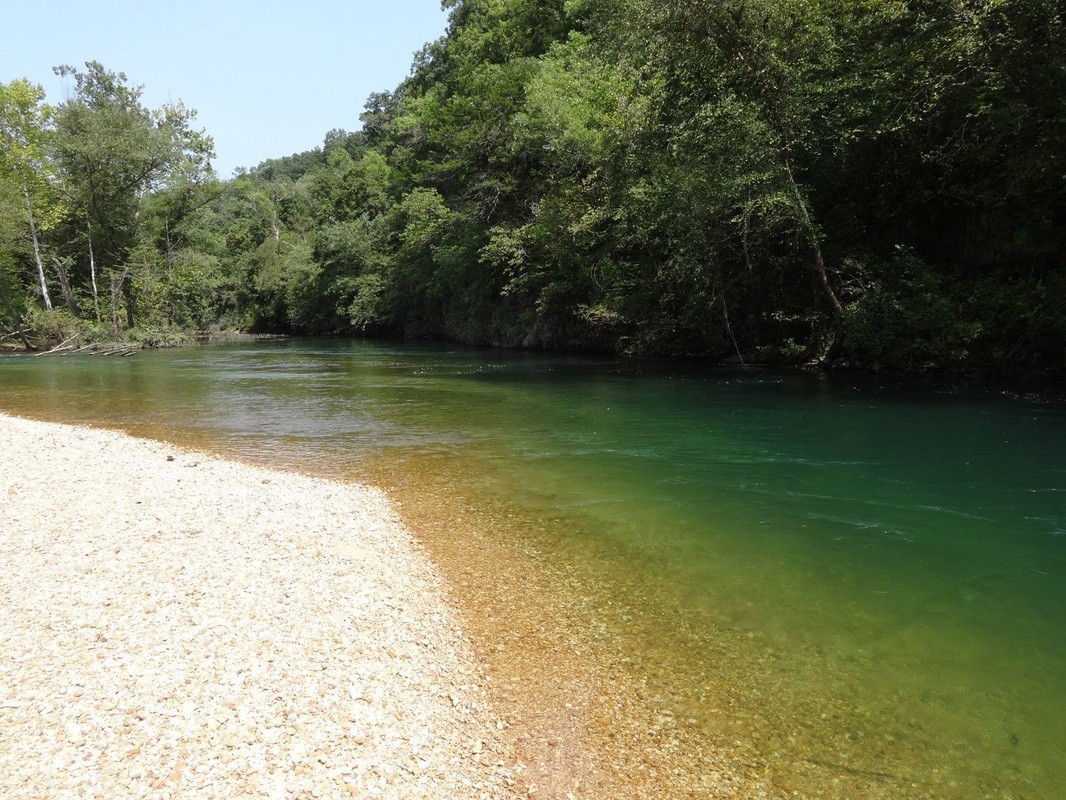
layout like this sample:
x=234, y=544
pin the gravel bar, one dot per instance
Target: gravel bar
x=173, y=625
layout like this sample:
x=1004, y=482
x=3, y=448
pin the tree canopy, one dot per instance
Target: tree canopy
x=878, y=183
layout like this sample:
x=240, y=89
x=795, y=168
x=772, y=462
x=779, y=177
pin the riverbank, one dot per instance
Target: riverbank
x=177, y=625
x=183, y=625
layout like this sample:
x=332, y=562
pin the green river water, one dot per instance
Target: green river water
x=888, y=563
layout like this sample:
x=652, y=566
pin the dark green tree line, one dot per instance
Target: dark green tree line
x=876, y=182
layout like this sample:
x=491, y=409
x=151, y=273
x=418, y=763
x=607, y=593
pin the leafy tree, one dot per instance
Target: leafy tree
x=24, y=126
x=112, y=152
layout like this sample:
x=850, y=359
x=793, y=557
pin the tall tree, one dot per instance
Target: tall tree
x=112, y=151
x=24, y=127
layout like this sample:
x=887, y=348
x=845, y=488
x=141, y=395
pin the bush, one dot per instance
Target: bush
x=906, y=318
x=1022, y=324
x=50, y=328
x=159, y=337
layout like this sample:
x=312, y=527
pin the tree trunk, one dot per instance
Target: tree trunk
x=116, y=293
x=170, y=249
x=828, y=337
x=64, y=284
x=131, y=301
x=812, y=233
x=275, y=228
x=36, y=248
x=92, y=272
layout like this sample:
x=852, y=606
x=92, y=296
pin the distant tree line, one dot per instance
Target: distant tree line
x=879, y=183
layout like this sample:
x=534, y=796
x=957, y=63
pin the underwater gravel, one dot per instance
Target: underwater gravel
x=176, y=625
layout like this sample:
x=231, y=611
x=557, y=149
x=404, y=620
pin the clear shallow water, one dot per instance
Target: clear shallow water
x=888, y=564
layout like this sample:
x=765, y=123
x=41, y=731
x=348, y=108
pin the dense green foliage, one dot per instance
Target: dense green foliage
x=874, y=182
x=108, y=189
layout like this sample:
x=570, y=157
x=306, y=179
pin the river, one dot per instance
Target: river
x=855, y=585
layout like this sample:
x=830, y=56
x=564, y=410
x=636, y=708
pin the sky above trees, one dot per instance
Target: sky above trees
x=267, y=78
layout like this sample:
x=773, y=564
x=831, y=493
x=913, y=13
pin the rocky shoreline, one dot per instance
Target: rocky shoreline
x=177, y=625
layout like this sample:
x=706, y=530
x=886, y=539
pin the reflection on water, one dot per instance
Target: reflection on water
x=876, y=574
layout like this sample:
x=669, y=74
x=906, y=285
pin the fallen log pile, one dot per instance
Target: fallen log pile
x=93, y=348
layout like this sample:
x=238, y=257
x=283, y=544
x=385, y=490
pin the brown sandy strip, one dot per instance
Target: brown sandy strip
x=198, y=628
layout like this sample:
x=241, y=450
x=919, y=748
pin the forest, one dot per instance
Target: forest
x=866, y=184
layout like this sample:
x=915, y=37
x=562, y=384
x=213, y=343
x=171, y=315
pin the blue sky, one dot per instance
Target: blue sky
x=267, y=78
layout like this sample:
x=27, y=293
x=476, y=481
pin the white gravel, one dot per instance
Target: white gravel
x=196, y=628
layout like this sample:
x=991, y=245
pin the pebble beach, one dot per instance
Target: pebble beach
x=177, y=625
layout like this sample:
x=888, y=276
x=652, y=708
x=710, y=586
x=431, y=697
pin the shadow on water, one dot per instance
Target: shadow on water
x=832, y=587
